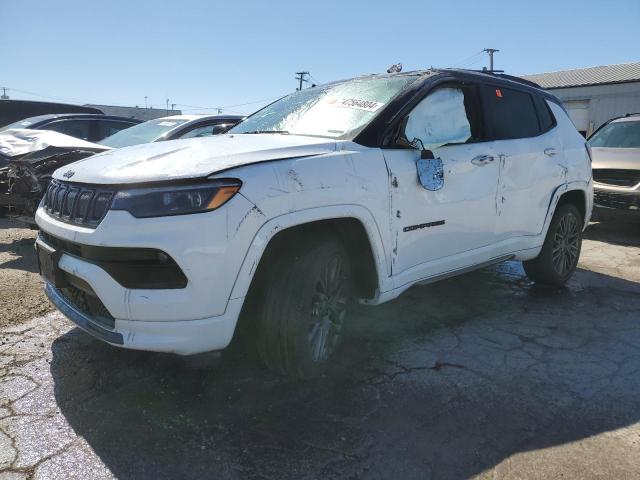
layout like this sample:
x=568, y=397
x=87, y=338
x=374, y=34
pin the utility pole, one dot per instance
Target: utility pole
x=491, y=51
x=300, y=77
x=219, y=111
x=145, y=102
x=4, y=94
x=167, y=100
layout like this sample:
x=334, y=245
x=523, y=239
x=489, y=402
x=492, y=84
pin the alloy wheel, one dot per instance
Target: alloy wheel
x=566, y=244
x=329, y=305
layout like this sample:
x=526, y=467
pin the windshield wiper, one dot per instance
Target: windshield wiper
x=269, y=131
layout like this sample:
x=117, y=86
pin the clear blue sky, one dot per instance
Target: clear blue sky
x=227, y=53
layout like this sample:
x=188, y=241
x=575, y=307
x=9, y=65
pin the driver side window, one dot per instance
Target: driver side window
x=445, y=116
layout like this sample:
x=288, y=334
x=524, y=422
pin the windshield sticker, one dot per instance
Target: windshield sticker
x=166, y=124
x=355, y=103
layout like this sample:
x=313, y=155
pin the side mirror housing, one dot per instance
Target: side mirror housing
x=426, y=154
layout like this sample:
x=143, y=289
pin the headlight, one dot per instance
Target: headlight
x=176, y=199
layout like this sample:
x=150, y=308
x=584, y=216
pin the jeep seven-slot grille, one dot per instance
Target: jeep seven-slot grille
x=618, y=177
x=77, y=204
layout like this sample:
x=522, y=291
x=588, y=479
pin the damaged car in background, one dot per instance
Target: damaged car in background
x=27, y=160
x=28, y=157
x=354, y=190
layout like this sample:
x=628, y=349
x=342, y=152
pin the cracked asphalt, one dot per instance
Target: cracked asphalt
x=483, y=375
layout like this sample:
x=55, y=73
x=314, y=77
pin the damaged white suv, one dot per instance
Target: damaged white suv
x=352, y=190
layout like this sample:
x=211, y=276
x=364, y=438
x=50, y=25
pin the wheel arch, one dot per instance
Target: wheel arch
x=572, y=192
x=576, y=197
x=353, y=225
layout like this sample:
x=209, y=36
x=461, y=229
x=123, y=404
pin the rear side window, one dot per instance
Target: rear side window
x=547, y=120
x=509, y=113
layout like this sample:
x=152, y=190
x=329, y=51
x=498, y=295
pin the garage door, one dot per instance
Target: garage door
x=579, y=113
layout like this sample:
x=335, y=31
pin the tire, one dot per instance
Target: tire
x=561, y=249
x=303, y=309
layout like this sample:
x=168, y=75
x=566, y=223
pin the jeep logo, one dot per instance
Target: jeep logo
x=68, y=174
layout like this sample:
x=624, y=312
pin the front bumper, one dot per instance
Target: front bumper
x=200, y=317
x=181, y=337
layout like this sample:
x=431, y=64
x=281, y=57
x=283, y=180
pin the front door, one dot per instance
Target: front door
x=436, y=225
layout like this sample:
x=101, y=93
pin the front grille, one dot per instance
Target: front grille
x=89, y=305
x=619, y=200
x=77, y=204
x=617, y=177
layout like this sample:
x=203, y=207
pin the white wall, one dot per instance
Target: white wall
x=602, y=102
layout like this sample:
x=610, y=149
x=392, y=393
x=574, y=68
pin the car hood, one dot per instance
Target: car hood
x=189, y=158
x=615, y=158
x=19, y=142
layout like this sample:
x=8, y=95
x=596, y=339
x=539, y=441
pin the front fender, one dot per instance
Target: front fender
x=274, y=226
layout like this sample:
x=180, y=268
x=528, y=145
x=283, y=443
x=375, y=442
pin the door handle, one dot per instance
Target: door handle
x=550, y=152
x=482, y=160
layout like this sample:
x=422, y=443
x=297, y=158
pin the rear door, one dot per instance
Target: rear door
x=529, y=150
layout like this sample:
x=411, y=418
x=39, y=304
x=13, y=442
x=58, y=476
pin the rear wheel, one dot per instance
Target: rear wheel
x=561, y=249
x=304, y=308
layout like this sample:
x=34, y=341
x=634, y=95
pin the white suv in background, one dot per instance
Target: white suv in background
x=356, y=189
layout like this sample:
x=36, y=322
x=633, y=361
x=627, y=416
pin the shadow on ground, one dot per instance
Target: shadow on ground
x=444, y=382
x=615, y=232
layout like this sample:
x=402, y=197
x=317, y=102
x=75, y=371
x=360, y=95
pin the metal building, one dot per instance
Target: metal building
x=139, y=113
x=596, y=94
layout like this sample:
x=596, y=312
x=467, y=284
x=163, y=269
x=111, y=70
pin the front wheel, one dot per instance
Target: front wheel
x=561, y=249
x=304, y=308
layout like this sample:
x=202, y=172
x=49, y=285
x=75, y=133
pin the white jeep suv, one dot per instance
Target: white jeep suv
x=353, y=190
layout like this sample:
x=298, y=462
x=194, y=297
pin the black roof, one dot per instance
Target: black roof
x=40, y=119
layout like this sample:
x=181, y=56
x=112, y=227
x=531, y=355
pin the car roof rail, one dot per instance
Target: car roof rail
x=501, y=74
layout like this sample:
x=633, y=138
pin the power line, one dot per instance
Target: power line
x=226, y=107
x=26, y=92
x=470, y=60
x=148, y=105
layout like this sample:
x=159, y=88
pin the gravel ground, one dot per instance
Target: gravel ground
x=480, y=376
x=21, y=296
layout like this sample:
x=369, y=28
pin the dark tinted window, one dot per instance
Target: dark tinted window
x=75, y=128
x=510, y=113
x=547, y=121
x=109, y=127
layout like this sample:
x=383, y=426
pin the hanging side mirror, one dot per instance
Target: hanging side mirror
x=430, y=171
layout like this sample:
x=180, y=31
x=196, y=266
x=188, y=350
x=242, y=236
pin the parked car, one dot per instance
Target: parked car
x=27, y=160
x=15, y=110
x=86, y=126
x=615, y=149
x=356, y=189
x=172, y=128
x=30, y=156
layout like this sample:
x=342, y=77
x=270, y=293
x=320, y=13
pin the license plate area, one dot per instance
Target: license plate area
x=48, y=259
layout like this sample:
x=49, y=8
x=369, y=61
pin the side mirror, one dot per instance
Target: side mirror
x=430, y=171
